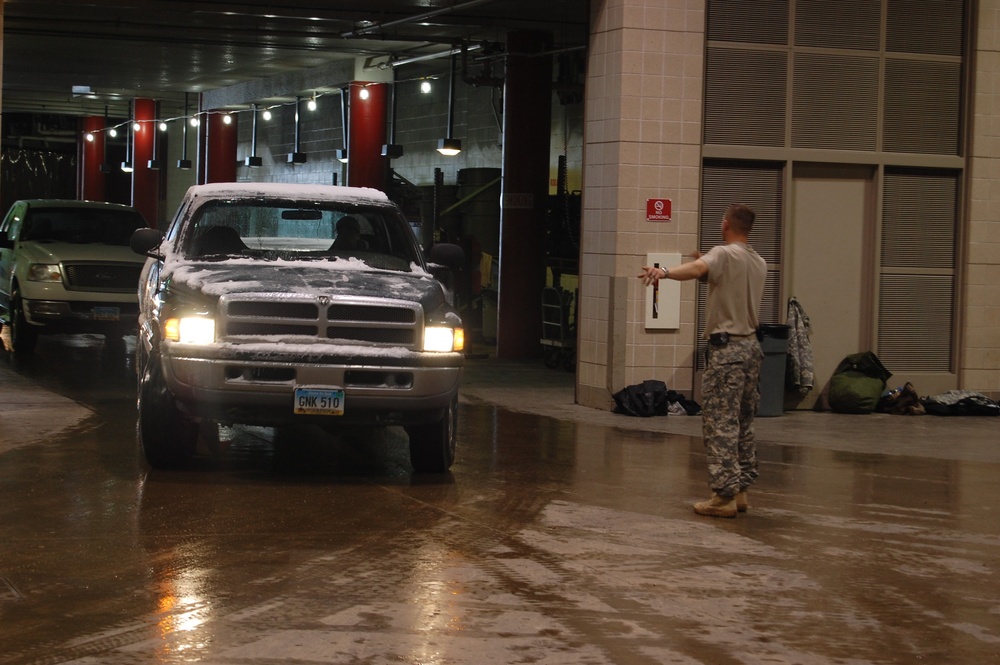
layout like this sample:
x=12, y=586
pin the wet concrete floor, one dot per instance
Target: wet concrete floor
x=551, y=541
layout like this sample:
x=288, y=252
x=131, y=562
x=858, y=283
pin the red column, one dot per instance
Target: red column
x=366, y=135
x=145, y=182
x=220, y=147
x=527, y=118
x=90, y=181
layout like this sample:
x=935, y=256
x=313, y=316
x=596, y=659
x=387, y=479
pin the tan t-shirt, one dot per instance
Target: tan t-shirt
x=736, y=276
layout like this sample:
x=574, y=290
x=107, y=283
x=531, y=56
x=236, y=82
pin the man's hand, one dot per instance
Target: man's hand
x=651, y=275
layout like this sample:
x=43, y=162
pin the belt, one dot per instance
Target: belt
x=722, y=338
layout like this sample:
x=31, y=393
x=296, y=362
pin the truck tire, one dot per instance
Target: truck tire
x=168, y=437
x=23, y=336
x=432, y=446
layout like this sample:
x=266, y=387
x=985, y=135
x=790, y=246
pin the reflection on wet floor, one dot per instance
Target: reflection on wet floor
x=550, y=542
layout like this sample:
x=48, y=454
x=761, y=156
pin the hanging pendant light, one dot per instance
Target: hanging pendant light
x=253, y=161
x=184, y=163
x=296, y=156
x=449, y=146
x=127, y=164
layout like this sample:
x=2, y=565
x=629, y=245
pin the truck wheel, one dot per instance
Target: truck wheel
x=23, y=336
x=168, y=436
x=432, y=446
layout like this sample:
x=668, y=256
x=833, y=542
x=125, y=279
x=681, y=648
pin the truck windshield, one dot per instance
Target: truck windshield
x=267, y=230
x=81, y=225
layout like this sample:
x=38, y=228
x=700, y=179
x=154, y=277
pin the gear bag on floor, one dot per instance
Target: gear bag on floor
x=858, y=383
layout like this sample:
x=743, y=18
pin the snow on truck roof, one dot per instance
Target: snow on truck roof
x=289, y=191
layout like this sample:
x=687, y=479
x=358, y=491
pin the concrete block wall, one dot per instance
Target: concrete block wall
x=980, y=360
x=320, y=135
x=642, y=140
x=421, y=119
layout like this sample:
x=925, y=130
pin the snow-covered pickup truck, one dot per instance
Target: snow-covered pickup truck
x=268, y=304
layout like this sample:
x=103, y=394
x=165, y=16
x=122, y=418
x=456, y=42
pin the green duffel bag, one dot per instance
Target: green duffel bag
x=858, y=383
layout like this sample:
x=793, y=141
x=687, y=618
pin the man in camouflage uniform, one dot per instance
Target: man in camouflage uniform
x=735, y=274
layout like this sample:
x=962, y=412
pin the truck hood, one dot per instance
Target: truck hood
x=56, y=252
x=342, y=278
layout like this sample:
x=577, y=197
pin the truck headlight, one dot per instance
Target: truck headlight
x=44, y=272
x=443, y=339
x=190, y=330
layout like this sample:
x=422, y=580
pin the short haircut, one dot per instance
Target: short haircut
x=741, y=216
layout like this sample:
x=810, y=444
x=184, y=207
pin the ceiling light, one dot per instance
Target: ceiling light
x=184, y=164
x=296, y=156
x=112, y=132
x=267, y=114
x=449, y=147
x=136, y=127
x=194, y=121
x=311, y=104
x=163, y=126
x=363, y=93
x=227, y=119
x=89, y=136
x=425, y=87
x=253, y=161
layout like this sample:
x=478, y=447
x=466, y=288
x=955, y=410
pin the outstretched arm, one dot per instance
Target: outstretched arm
x=691, y=270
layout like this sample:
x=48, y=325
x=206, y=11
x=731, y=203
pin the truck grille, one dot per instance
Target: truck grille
x=366, y=323
x=103, y=277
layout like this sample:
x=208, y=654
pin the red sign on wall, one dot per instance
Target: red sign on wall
x=658, y=210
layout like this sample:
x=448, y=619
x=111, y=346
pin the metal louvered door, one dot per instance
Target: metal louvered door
x=916, y=281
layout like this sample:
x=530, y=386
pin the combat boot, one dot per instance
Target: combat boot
x=717, y=506
x=742, y=503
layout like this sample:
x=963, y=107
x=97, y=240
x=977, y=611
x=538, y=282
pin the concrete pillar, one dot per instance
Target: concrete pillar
x=527, y=121
x=366, y=135
x=91, y=183
x=221, y=139
x=145, y=181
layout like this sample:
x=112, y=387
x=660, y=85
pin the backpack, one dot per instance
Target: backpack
x=645, y=399
x=858, y=383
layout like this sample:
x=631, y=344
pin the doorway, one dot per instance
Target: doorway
x=830, y=262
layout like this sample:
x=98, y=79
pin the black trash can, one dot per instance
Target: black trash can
x=774, y=344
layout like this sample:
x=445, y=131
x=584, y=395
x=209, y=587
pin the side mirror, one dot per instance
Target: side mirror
x=144, y=241
x=448, y=255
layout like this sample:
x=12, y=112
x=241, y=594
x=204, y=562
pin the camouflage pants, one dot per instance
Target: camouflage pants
x=730, y=396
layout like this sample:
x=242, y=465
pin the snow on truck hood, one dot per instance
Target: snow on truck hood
x=347, y=277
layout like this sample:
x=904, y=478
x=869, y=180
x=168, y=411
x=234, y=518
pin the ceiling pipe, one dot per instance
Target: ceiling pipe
x=379, y=27
x=429, y=56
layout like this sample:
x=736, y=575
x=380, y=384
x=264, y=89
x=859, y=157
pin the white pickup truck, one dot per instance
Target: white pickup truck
x=66, y=267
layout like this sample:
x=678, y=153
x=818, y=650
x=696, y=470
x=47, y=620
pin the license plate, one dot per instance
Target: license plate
x=319, y=401
x=105, y=313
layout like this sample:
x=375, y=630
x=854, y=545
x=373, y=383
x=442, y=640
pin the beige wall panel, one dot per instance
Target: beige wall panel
x=828, y=265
